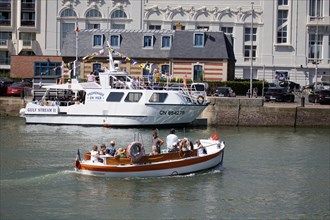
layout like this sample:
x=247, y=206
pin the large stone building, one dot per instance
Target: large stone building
x=290, y=38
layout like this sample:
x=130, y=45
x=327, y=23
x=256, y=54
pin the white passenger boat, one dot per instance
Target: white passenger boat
x=102, y=104
x=165, y=164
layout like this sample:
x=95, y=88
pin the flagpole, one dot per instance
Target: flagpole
x=75, y=62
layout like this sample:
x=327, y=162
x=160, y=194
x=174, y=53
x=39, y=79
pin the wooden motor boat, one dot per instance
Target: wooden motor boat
x=164, y=164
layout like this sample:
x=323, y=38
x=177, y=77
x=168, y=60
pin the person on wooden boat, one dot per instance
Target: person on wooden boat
x=174, y=148
x=95, y=156
x=184, y=144
x=156, y=140
x=102, y=151
x=154, y=150
x=171, y=139
x=107, y=153
x=200, y=147
x=112, y=148
x=120, y=153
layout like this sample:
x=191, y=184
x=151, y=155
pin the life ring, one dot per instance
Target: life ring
x=200, y=99
x=135, y=151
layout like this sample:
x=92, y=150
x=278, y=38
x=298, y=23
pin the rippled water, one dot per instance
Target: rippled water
x=268, y=173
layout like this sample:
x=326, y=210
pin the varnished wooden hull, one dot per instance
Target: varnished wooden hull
x=160, y=165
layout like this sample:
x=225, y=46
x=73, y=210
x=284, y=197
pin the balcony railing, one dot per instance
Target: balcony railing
x=321, y=21
x=5, y=61
x=5, y=22
x=3, y=43
x=5, y=6
x=28, y=22
x=27, y=6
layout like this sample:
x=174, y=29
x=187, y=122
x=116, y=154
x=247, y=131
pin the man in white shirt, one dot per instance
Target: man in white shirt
x=94, y=154
x=171, y=139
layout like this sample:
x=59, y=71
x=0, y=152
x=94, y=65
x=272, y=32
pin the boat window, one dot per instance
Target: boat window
x=133, y=97
x=115, y=96
x=158, y=97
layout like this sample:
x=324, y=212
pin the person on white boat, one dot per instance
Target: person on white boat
x=91, y=77
x=171, y=139
x=201, y=148
x=184, y=144
x=135, y=82
x=112, y=148
x=157, y=141
x=95, y=156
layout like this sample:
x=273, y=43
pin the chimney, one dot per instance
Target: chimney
x=178, y=26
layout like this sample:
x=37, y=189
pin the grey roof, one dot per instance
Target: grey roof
x=216, y=44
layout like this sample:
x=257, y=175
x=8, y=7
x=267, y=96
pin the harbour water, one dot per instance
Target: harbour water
x=268, y=173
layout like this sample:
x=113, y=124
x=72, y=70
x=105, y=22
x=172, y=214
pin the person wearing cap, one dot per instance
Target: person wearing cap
x=112, y=148
x=171, y=140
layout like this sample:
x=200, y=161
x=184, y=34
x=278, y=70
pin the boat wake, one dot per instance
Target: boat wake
x=36, y=180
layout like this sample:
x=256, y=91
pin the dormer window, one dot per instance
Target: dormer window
x=166, y=42
x=148, y=41
x=199, y=40
x=115, y=40
x=97, y=40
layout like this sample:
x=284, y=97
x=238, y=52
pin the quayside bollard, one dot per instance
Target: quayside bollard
x=302, y=101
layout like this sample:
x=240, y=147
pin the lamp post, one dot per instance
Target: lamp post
x=316, y=48
x=251, y=50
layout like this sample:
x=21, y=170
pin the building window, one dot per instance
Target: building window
x=282, y=26
x=199, y=27
x=93, y=14
x=154, y=27
x=115, y=40
x=199, y=40
x=4, y=37
x=27, y=18
x=4, y=58
x=93, y=26
x=198, y=72
x=118, y=26
x=247, y=52
x=47, y=68
x=316, y=8
x=166, y=41
x=247, y=34
x=118, y=14
x=315, y=46
x=66, y=28
x=165, y=69
x=282, y=2
x=27, y=4
x=5, y=18
x=97, y=40
x=96, y=67
x=68, y=13
x=227, y=30
x=148, y=41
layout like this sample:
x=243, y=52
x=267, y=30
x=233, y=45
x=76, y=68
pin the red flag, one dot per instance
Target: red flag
x=76, y=28
x=214, y=137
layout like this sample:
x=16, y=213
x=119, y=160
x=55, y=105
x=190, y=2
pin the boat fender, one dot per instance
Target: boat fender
x=200, y=99
x=135, y=151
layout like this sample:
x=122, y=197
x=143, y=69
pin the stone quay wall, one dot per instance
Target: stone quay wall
x=254, y=112
x=232, y=112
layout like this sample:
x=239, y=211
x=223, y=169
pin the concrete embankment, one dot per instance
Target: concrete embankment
x=254, y=112
x=233, y=112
